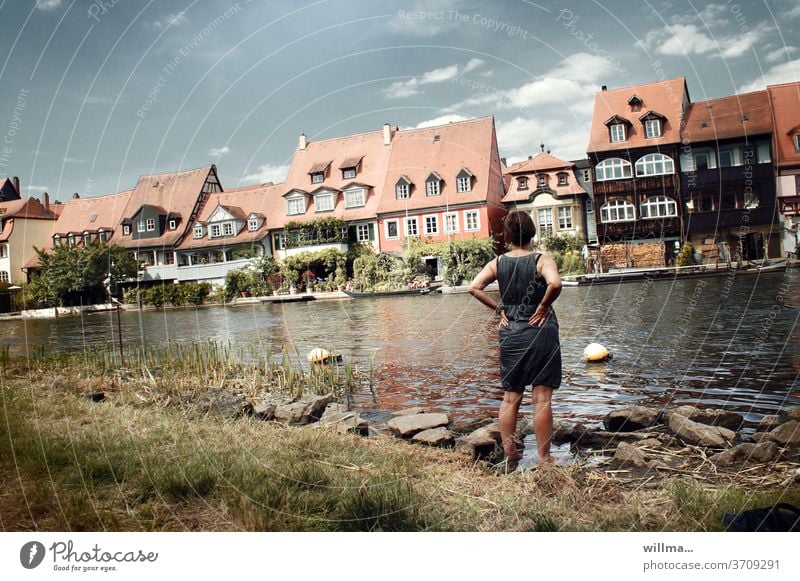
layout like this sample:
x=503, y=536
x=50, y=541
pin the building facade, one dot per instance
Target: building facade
x=25, y=224
x=785, y=109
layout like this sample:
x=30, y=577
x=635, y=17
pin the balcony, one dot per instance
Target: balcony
x=281, y=254
x=160, y=272
x=733, y=218
x=761, y=178
x=789, y=205
x=667, y=184
x=212, y=271
x=637, y=229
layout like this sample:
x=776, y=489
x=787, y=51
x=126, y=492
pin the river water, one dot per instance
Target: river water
x=726, y=342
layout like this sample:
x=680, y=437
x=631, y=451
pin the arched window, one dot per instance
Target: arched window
x=613, y=169
x=659, y=207
x=522, y=183
x=617, y=211
x=655, y=164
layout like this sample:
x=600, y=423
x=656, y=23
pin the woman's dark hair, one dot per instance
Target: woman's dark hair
x=519, y=228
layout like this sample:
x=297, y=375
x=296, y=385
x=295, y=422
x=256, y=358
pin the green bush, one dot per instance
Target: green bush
x=686, y=255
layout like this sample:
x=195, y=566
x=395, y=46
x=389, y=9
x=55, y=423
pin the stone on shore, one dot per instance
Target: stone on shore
x=484, y=443
x=585, y=437
x=629, y=455
x=762, y=452
x=768, y=423
x=700, y=434
x=408, y=426
x=631, y=418
x=723, y=418
x=345, y=421
x=408, y=412
x=793, y=413
x=441, y=437
x=787, y=434
x=225, y=404
x=304, y=411
x=264, y=410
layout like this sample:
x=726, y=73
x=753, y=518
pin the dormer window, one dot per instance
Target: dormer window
x=214, y=231
x=349, y=173
x=173, y=223
x=349, y=167
x=522, y=183
x=253, y=223
x=296, y=205
x=126, y=229
x=355, y=198
x=317, y=177
x=635, y=103
x=464, y=181
x=617, y=132
x=227, y=228
x=433, y=185
x=652, y=128
x=317, y=172
x=541, y=181
x=562, y=179
x=102, y=236
x=402, y=189
x=323, y=202
x=56, y=240
x=71, y=240
x=198, y=231
x=87, y=238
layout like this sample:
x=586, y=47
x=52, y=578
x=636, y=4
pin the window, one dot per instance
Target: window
x=562, y=179
x=362, y=233
x=726, y=158
x=252, y=224
x=126, y=229
x=522, y=183
x=654, y=164
x=750, y=201
x=545, y=220
x=279, y=241
x=323, y=202
x=472, y=220
x=198, y=231
x=71, y=240
x=348, y=173
x=587, y=175
x=433, y=188
x=565, y=218
x=659, y=207
x=700, y=203
x=227, y=228
x=86, y=238
x=392, y=231
x=4, y=276
x=102, y=236
x=617, y=211
x=401, y=191
x=617, y=132
x=464, y=184
x=295, y=206
x=431, y=225
x=589, y=206
x=796, y=140
x=652, y=128
x=3, y=251
x=169, y=257
x=140, y=226
x=151, y=224
x=173, y=223
x=354, y=198
x=612, y=169
x=451, y=222
x=797, y=183
x=317, y=177
x=214, y=233
x=542, y=181
x=701, y=161
x=412, y=227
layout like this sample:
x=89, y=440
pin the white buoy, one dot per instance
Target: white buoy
x=596, y=352
x=318, y=355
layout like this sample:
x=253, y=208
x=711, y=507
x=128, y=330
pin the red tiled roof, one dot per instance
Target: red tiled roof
x=666, y=98
x=26, y=208
x=546, y=164
x=735, y=116
x=785, y=100
x=76, y=215
x=541, y=162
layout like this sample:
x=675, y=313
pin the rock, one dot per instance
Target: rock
x=586, y=437
x=484, y=443
x=440, y=437
x=407, y=426
x=658, y=465
x=649, y=443
x=724, y=418
x=700, y=434
x=793, y=413
x=468, y=425
x=408, y=412
x=768, y=423
x=763, y=452
x=343, y=420
x=627, y=454
x=787, y=434
x=304, y=411
x=226, y=404
x=631, y=418
x=264, y=411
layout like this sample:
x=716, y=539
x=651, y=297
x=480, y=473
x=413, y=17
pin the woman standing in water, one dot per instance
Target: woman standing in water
x=530, y=351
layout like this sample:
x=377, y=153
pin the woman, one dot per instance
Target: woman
x=530, y=352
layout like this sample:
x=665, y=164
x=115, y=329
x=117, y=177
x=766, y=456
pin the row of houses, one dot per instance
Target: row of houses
x=660, y=171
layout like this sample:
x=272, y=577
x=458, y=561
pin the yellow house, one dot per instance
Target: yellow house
x=23, y=225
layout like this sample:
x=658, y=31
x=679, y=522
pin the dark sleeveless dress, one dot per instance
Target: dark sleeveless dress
x=528, y=355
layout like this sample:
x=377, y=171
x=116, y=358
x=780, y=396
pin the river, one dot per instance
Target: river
x=727, y=342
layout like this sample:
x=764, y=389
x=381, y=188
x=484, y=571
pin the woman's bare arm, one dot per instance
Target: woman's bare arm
x=485, y=277
x=549, y=271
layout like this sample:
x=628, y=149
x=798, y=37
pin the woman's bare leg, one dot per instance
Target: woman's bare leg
x=543, y=421
x=509, y=410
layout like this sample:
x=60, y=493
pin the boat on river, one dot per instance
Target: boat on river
x=675, y=273
x=426, y=290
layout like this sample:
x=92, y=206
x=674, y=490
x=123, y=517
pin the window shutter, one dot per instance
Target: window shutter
x=372, y=232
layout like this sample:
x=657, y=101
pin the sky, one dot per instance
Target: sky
x=99, y=92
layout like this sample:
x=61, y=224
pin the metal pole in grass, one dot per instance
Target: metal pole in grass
x=119, y=330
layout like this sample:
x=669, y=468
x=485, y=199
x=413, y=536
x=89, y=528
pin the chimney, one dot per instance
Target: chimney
x=46, y=201
x=503, y=161
x=76, y=196
x=387, y=134
x=16, y=186
x=604, y=88
x=303, y=142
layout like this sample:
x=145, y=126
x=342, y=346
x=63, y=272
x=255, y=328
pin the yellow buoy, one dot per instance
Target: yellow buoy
x=318, y=355
x=596, y=352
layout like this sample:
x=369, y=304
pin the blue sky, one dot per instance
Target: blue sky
x=98, y=92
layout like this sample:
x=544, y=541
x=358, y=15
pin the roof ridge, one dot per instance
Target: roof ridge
x=147, y=175
x=679, y=77
x=737, y=96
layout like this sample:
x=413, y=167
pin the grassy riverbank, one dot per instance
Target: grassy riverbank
x=140, y=462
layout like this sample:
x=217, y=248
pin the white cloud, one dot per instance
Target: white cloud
x=267, y=173
x=520, y=137
x=443, y=120
x=408, y=88
x=782, y=73
x=689, y=39
x=217, y=151
x=171, y=20
x=35, y=189
x=48, y=5
x=472, y=65
x=711, y=15
x=780, y=54
x=793, y=13
x=424, y=18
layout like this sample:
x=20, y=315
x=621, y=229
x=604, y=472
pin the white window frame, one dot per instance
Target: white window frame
x=402, y=191
x=318, y=207
x=126, y=229
x=433, y=188
x=616, y=207
x=613, y=168
x=361, y=201
x=140, y=226
x=541, y=181
x=362, y=232
x=451, y=228
x=522, y=183
x=464, y=184
x=656, y=207
x=151, y=224
x=431, y=220
x=253, y=224
x=173, y=223
x=406, y=226
x=299, y=203
x=348, y=173
x=562, y=179
x=87, y=238
x=565, y=221
x=396, y=226
x=544, y=216
x=317, y=177
x=654, y=164
x=227, y=229
x=198, y=231
x=102, y=236
x=652, y=128
x=617, y=132
x=476, y=215
x=3, y=250
x=214, y=231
